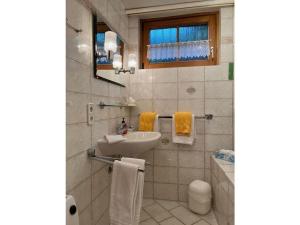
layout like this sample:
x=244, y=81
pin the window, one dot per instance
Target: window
x=181, y=41
x=104, y=62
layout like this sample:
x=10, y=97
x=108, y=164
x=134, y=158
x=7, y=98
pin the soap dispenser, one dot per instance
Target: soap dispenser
x=123, y=128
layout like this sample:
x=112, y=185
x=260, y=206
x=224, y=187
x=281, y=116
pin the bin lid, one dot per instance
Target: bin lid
x=200, y=187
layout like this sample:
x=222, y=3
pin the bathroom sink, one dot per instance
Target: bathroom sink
x=136, y=143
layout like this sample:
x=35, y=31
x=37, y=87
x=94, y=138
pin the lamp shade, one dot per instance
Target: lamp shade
x=117, y=61
x=132, y=61
x=110, y=41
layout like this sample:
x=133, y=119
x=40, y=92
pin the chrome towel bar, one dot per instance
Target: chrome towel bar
x=106, y=159
x=206, y=116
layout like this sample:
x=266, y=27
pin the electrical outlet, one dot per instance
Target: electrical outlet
x=90, y=113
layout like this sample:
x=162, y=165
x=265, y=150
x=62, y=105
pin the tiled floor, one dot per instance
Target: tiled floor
x=162, y=212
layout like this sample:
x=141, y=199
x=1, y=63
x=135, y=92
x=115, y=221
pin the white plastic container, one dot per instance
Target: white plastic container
x=199, y=200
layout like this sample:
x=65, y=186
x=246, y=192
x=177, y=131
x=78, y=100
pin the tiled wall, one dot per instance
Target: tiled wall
x=88, y=181
x=223, y=191
x=202, y=90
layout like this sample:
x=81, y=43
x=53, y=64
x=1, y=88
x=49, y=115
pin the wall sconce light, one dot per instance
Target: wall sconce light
x=110, y=41
x=131, y=65
x=117, y=62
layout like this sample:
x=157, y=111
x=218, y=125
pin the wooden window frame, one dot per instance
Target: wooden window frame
x=212, y=19
x=102, y=27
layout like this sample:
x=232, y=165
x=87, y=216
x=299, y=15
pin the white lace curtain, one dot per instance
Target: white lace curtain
x=168, y=52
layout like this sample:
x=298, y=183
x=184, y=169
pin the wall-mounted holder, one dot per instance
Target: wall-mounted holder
x=122, y=70
x=102, y=105
x=106, y=159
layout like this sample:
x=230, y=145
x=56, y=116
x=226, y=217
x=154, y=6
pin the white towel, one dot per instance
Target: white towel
x=156, y=124
x=126, y=192
x=180, y=139
x=114, y=138
x=140, y=187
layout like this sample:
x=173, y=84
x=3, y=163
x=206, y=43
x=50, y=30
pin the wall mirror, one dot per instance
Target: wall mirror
x=103, y=60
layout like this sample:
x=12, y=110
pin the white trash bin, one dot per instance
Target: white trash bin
x=199, y=200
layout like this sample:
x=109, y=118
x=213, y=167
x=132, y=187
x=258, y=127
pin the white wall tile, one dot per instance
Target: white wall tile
x=227, y=12
x=148, y=190
x=187, y=175
x=101, y=180
x=195, y=73
x=99, y=128
x=165, y=91
x=183, y=193
x=191, y=159
x=217, y=72
x=78, y=138
x=78, y=45
x=186, y=92
x=77, y=76
x=165, y=125
x=165, y=158
x=99, y=87
x=142, y=106
x=219, y=125
x=217, y=142
x=227, y=27
x=82, y=194
x=165, y=107
x=76, y=107
x=100, y=204
x=226, y=53
x=219, y=107
x=164, y=75
x=141, y=91
x=165, y=174
x=141, y=76
x=78, y=169
x=101, y=6
x=166, y=191
x=166, y=142
x=218, y=89
x=196, y=106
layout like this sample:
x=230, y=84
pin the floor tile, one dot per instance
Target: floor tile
x=184, y=204
x=201, y=222
x=157, y=212
x=147, y=201
x=184, y=215
x=168, y=205
x=144, y=215
x=210, y=218
x=149, y=222
x=171, y=221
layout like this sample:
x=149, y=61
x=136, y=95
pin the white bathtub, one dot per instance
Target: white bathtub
x=222, y=178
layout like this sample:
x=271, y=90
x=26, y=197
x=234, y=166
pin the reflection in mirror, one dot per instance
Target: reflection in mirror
x=103, y=60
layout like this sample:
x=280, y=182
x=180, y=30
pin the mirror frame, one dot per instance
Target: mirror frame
x=94, y=28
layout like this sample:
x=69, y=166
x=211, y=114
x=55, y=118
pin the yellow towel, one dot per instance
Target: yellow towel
x=183, y=123
x=147, y=121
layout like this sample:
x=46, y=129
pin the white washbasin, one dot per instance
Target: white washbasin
x=136, y=143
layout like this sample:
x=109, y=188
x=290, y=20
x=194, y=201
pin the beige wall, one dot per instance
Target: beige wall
x=86, y=180
x=165, y=92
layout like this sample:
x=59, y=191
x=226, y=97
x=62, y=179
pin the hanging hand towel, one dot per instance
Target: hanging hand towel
x=146, y=121
x=123, y=193
x=180, y=138
x=140, y=187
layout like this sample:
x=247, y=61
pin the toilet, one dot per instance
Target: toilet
x=199, y=197
x=71, y=211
